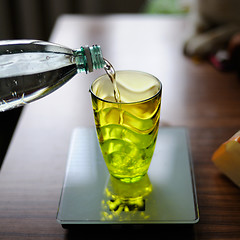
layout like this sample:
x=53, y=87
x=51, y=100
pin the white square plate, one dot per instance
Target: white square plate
x=172, y=199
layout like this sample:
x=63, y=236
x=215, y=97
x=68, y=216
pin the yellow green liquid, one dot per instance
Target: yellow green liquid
x=127, y=130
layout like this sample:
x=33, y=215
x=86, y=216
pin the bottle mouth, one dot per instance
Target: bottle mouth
x=88, y=58
x=96, y=58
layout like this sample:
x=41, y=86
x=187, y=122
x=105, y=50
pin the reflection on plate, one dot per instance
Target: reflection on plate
x=165, y=195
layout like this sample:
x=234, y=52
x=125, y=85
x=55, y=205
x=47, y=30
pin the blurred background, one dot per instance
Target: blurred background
x=35, y=19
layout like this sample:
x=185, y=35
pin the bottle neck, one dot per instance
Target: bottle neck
x=88, y=59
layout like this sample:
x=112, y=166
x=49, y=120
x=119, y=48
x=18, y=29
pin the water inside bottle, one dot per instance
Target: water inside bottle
x=26, y=77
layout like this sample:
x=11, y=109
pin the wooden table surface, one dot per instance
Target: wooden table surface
x=195, y=96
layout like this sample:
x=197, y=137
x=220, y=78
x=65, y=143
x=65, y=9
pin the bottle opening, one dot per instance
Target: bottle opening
x=96, y=57
x=88, y=58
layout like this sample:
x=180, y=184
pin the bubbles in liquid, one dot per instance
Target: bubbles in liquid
x=112, y=75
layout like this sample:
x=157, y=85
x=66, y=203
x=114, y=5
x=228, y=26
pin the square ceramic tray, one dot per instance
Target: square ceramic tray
x=85, y=197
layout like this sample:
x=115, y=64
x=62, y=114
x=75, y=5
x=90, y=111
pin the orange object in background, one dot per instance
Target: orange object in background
x=227, y=158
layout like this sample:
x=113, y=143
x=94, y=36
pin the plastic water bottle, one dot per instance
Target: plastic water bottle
x=32, y=69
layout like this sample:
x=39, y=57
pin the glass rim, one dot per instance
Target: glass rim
x=140, y=101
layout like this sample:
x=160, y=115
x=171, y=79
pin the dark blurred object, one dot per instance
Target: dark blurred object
x=210, y=26
x=221, y=61
x=35, y=19
x=236, y=60
x=234, y=52
x=228, y=59
x=8, y=122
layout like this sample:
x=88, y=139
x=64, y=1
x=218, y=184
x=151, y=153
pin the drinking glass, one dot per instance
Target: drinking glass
x=127, y=130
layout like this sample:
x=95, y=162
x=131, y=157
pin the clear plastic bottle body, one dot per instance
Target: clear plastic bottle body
x=32, y=69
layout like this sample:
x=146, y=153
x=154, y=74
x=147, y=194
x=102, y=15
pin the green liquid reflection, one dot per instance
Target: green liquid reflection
x=125, y=201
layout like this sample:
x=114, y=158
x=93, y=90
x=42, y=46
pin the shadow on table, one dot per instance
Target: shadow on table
x=169, y=231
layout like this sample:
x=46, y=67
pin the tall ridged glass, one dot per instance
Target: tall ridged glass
x=127, y=131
